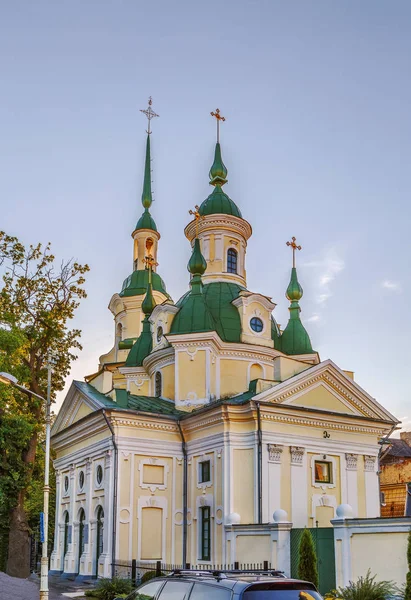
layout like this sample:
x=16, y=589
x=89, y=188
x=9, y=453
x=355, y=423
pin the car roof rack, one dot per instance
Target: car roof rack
x=223, y=573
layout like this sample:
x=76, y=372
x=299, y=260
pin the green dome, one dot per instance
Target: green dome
x=219, y=203
x=149, y=303
x=146, y=221
x=295, y=339
x=294, y=290
x=197, y=263
x=142, y=348
x=136, y=284
x=218, y=171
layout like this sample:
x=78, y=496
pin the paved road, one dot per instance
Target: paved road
x=12, y=588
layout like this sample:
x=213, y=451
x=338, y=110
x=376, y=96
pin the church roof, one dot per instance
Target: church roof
x=146, y=221
x=136, y=284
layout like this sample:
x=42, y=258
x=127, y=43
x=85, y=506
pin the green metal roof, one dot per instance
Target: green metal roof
x=295, y=339
x=218, y=171
x=88, y=390
x=152, y=404
x=219, y=203
x=146, y=221
x=136, y=284
x=143, y=346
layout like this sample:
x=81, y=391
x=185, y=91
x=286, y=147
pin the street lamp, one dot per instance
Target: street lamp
x=11, y=380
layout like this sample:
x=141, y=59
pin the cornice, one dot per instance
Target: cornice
x=158, y=358
x=219, y=222
x=140, y=424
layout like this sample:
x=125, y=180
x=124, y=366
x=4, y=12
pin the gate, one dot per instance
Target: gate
x=323, y=538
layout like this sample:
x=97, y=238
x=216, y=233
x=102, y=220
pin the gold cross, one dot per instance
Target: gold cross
x=294, y=247
x=196, y=215
x=219, y=118
x=150, y=114
x=150, y=263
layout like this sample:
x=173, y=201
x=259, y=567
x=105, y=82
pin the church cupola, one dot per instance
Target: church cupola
x=222, y=231
x=295, y=339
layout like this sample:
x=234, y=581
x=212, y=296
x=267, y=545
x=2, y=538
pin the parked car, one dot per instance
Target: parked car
x=219, y=585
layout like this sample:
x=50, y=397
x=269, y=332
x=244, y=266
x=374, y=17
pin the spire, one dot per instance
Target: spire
x=146, y=221
x=295, y=339
x=196, y=266
x=146, y=197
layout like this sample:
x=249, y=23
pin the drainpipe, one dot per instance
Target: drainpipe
x=113, y=543
x=185, y=471
x=259, y=464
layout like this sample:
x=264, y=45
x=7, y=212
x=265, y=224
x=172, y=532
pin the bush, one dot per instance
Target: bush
x=108, y=589
x=149, y=575
x=365, y=588
x=307, y=559
x=407, y=591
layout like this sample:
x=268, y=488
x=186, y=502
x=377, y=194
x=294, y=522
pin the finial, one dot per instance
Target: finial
x=294, y=247
x=150, y=114
x=150, y=262
x=219, y=118
x=196, y=214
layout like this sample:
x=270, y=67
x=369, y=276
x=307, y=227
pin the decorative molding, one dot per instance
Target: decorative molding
x=369, y=462
x=218, y=222
x=274, y=453
x=351, y=461
x=322, y=424
x=297, y=454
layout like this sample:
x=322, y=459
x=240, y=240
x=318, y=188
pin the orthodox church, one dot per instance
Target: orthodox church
x=207, y=431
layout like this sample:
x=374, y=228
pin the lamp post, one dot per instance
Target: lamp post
x=11, y=380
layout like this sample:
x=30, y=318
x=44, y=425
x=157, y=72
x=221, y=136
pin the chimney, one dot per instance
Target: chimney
x=406, y=437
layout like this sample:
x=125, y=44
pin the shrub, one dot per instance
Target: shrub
x=365, y=588
x=407, y=591
x=307, y=559
x=108, y=589
x=149, y=575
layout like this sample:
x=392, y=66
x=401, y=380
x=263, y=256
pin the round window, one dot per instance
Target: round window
x=99, y=474
x=256, y=324
x=81, y=479
x=66, y=483
x=159, y=333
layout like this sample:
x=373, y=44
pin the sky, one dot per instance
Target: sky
x=317, y=142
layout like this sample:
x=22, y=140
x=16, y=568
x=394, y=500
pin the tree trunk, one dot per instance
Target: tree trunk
x=18, y=562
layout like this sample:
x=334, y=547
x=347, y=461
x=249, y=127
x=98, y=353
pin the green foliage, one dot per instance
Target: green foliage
x=108, y=589
x=307, y=559
x=407, y=591
x=37, y=301
x=365, y=588
x=150, y=575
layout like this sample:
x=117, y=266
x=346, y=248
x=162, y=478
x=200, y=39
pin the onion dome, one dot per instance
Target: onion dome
x=136, y=284
x=146, y=221
x=144, y=343
x=218, y=202
x=295, y=339
x=197, y=263
x=148, y=304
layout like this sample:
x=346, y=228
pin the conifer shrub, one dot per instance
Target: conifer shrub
x=307, y=559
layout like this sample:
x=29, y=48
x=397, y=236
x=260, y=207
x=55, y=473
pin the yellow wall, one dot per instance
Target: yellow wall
x=233, y=377
x=168, y=381
x=320, y=397
x=256, y=372
x=286, y=481
x=362, y=508
x=323, y=514
x=151, y=534
x=192, y=375
x=388, y=552
x=243, y=493
x=83, y=411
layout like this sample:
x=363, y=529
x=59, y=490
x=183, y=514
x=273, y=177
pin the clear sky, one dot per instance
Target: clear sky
x=317, y=143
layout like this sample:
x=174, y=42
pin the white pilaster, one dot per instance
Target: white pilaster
x=298, y=486
x=351, y=473
x=56, y=558
x=372, y=499
x=273, y=488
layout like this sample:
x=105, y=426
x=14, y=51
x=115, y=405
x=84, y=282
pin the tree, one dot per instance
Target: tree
x=407, y=592
x=37, y=302
x=307, y=559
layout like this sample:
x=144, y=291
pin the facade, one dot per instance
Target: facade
x=395, y=477
x=206, y=424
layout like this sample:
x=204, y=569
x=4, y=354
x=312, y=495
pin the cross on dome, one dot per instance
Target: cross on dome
x=294, y=248
x=150, y=114
x=219, y=118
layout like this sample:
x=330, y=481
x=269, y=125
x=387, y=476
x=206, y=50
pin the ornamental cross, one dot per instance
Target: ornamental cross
x=294, y=247
x=150, y=262
x=150, y=114
x=219, y=118
x=196, y=215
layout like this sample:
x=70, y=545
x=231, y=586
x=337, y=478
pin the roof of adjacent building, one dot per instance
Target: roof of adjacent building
x=398, y=448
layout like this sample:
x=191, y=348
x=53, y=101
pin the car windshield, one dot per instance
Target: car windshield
x=274, y=591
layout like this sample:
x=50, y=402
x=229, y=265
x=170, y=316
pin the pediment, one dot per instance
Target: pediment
x=81, y=400
x=327, y=388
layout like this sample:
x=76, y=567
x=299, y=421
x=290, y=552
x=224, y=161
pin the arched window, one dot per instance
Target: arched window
x=82, y=532
x=119, y=334
x=158, y=382
x=100, y=531
x=66, y=534
x=232, y=260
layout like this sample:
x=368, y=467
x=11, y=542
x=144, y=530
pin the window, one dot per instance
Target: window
x=99, y=474
x=283, y=591
x=158, y=385
x=82, y=527
x=205, y=550
x=66, y=534
x=100, y=531
x=147, y=592
x=232, y=260
x=206, y=592
x=175, y=590
x=323, y=472
x=204, y=471
x=159, y=333
x=81, y=480
x=66, y=483
x=256, y=324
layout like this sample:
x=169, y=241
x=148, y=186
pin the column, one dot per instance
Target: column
x=352, y=481
x=272, y=489
x=372, y=495
x=56, y=558
x=85, y=568
x=108, y=541
x=70, y=561
x=342, y=546
x=299, y=500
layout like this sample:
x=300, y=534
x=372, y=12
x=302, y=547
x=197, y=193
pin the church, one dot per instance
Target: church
x=207, y=431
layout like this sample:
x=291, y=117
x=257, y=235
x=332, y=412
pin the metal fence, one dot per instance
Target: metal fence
x=135, y=570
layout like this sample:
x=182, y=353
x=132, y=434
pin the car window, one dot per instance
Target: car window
x=175, y=590
x=209, y=592
x=273, y=591
x=146, y=592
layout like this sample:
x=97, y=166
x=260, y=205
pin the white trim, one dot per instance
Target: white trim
x=152, y=502
x=153, y=462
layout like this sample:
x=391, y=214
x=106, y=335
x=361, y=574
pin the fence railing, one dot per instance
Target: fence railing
x=135, y=570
